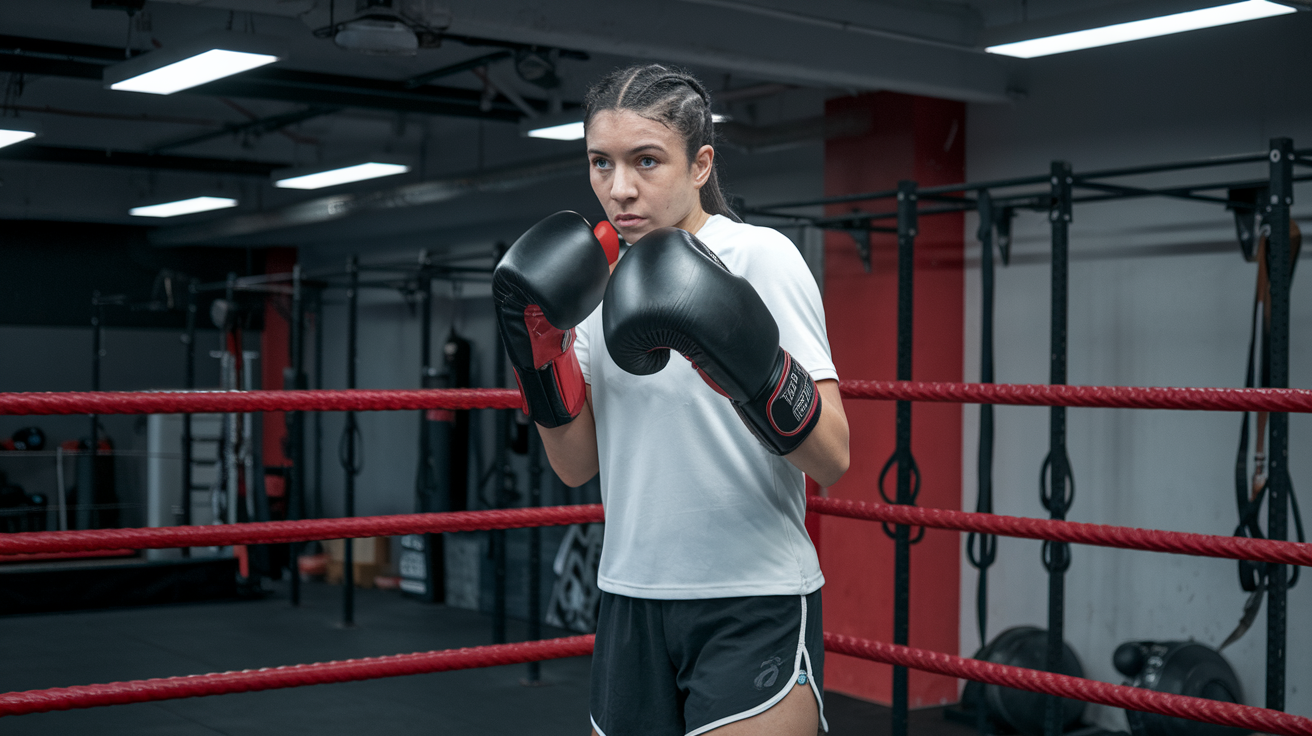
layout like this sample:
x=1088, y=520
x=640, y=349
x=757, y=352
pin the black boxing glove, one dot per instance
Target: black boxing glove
x=549, y=281
x=672, y=293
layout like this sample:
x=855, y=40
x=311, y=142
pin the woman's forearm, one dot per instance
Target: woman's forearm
x=572, y=448
x=824, y=455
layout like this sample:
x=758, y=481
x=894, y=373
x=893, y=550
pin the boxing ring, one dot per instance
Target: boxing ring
x=903, y=516
x=899, y=515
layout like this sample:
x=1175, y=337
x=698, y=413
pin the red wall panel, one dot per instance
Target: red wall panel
x=275, y=355
x=909, y=138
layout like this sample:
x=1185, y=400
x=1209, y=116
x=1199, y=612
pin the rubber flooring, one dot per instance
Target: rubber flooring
x=53, y=650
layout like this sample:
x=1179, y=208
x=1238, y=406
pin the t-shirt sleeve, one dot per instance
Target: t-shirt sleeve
x=582, y=345
x=780, y=275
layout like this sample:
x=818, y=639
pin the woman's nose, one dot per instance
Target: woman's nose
x=623, y=185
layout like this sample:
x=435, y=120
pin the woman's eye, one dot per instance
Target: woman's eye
x=601, y=163
x=646, y=162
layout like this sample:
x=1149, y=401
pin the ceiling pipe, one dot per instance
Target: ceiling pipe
x=339, y=206
x=791, y=16
x=781, y=136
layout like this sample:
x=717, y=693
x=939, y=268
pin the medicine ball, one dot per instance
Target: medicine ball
x=29, y=438
x=1182, y=668
x=1023, y=711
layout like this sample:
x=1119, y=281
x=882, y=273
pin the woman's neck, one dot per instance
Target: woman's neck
x=694, y=220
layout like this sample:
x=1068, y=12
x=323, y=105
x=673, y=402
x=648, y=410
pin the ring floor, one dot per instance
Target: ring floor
x=62, y=649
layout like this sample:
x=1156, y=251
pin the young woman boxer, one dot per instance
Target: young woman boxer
x=710, y=612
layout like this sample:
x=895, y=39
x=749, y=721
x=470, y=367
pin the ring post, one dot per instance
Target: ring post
x=318, y=415
x=348, y=557
x=906, y=242
x=1058, y=558
x=85, y=514
x=981, y=549
x=534, y=549
x=295, y=489
x=1278, y=266
x=502, y=476
x=189, y=383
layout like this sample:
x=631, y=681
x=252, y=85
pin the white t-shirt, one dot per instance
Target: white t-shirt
x=695, y=506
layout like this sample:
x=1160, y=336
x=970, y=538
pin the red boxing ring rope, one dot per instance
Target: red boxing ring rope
x=275, y=532
x=213, y=402
x=1105, y=397
x=305, y=530
x=1075, y=688
x=1102, y=535
x=1230, y=714
x=203, y=402
x=269, y=678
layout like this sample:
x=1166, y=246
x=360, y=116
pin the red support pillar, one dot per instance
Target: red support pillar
x=922, y=139
x=275, y=356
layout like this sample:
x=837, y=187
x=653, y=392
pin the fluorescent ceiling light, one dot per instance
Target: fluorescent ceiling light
x=183, y=207
x=564, y=132
x=343, y=175
x=194, y=71
x=199, y=61
x=1140, y=29
x=573, y=131
x=9, y=137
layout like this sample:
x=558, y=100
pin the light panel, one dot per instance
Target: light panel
x=343, y=175
x=562, y=132
x=573, y=130
x=10, y=137
x=1140, y=29
x=183, y=207
x=194, y=71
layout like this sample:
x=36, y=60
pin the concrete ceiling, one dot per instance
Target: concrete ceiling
x=103, y=152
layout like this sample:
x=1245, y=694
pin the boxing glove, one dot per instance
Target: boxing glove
x=672, y=293
x=550, y=280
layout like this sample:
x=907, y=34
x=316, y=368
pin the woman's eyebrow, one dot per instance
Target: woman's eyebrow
x=632, y=152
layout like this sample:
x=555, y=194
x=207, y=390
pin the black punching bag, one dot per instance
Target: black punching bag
x=1021, y=710
x=1181, y=668
x=456, y=354
x=442, y=481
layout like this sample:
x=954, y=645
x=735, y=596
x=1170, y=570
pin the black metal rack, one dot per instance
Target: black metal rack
x=1055, y=193
x=413, y=279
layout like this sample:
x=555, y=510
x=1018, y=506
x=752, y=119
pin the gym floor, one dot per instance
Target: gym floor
x=53, y=650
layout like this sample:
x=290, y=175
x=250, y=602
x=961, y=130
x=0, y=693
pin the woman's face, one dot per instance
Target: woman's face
x=641, y=175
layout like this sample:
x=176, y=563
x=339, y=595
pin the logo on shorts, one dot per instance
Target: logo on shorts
x=769, y=673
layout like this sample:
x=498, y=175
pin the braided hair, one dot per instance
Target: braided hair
x=670, y=96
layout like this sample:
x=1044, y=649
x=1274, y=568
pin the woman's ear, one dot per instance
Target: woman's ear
x=701, y=166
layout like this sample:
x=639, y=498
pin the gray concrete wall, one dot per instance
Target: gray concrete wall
x=1140, y=315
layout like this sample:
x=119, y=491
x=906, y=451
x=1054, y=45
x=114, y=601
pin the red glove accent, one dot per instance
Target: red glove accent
x=554, y=347
x=610, y=240
x=707, y=379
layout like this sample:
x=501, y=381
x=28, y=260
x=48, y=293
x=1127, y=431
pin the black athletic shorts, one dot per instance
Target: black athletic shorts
x=670, y=668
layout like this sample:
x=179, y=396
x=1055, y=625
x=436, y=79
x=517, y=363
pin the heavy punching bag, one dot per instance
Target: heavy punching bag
x=1022, y=646
x=442, y=482
x=1181, y=668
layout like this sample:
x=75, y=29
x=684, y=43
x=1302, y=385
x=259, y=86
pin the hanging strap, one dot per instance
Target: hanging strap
x=1251, y=491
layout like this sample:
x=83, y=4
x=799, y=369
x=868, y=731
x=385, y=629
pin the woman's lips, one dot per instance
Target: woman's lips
x=628, y=220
